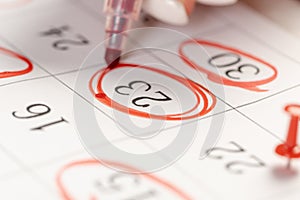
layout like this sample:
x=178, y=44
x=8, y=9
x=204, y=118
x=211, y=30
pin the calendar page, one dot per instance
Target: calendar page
x=207, y=111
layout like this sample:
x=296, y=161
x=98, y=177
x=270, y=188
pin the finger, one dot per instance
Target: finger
x=217, y=2
x=174, y=12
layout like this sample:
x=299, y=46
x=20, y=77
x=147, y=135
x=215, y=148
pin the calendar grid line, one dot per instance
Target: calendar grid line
x=25, y=168
x=226, y=103
x=258, y=124
x=205, y=117
x=91, y=104
x=44, y=164
x=210, y=31
x=251, y=35
x=182, y=171
x=72, y=89
x=56, y=74
x=41, y=165
x=24, y=80
x=266, y=44
x=207, y=188
x=268, y=97
x=230, y=110
x=232, y=132
x=77, y=93
x=185, y=173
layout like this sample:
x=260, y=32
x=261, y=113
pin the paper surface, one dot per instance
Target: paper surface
x=51, y=50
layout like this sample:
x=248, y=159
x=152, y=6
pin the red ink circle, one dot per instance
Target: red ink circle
x=196, y=88
x=8, y=74
x=250, y=85
x=65, y=194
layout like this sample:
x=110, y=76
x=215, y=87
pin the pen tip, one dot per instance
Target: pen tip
x=112, y=57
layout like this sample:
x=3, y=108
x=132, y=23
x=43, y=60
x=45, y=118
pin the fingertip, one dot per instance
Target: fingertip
x=168, y=11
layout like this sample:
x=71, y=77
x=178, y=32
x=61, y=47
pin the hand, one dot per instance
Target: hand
x=177, y=12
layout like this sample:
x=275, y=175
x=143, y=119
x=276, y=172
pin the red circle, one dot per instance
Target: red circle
x=197, y=89
x=250, y=85
x=155, y=179
x=8, y=74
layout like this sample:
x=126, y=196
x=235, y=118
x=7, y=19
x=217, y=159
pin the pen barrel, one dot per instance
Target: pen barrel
x=125, y=8
x=115, y=31
x=120, y=14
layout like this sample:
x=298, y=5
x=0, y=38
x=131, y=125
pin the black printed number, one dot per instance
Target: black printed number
x=64, y=44
x=241, y=69
x=64, y=37
x=125, y=90
x=235, y=166
x=118, y=183
x=112, y=184
x=233, y=59
x=35, y=111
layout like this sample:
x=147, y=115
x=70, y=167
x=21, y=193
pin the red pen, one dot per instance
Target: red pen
x=120, y=14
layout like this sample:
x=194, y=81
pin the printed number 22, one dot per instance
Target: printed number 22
x=235, y=166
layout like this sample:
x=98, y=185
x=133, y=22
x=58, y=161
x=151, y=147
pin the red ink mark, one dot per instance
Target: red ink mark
x=7, y=4
x=290, y=149
x=67, y=196
x=197, y=89
x=8, y=74
x=250, y=85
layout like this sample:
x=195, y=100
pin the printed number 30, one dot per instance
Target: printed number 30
x=233, y=74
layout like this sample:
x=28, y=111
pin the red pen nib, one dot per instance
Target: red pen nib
x=290, y=149
x=112, y=57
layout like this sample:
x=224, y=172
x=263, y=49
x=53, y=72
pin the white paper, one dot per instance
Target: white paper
x=44, y=156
